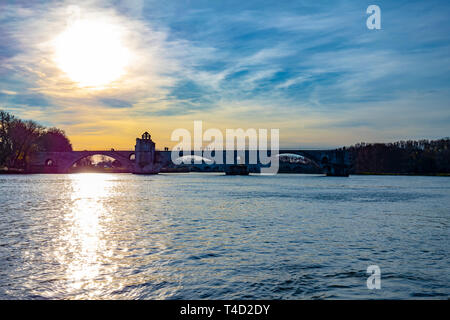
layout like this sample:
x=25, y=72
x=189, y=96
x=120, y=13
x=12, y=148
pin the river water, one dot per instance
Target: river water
x=211, y=236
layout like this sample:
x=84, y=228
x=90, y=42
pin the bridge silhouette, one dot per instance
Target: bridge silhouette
x=145, y=159
x=331, y=162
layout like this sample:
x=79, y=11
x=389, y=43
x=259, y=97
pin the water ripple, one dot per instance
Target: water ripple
x=206, y=236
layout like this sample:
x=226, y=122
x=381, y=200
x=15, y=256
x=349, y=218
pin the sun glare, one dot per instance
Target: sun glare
x=91, y=53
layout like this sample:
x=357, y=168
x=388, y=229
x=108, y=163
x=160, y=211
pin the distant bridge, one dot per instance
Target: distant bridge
x=331, y=162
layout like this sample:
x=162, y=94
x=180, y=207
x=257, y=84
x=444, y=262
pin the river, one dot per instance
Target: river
x=211, y=236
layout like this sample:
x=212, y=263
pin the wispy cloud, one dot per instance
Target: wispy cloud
x=310, y=68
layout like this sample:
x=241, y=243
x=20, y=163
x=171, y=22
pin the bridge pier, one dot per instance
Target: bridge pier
x=338, y=165
x=337, y=171
x=145, y=156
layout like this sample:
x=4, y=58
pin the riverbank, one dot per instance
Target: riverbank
x=402, y=174
x=11, y=171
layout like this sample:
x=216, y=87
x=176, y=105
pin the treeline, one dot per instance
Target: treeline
x=19, y=139
x=403, y=157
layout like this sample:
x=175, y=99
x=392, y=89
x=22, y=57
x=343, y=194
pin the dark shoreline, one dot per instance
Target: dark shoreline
x=21, y=171
x=12, y=171
x=401, y=174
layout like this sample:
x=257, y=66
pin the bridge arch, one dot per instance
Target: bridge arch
x=123, y=157
x=304, y=156
x=190, y=159
x=332, y=162
x=50, y=162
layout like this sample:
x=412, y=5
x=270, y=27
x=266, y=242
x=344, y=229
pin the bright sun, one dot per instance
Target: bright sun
x=91, y=53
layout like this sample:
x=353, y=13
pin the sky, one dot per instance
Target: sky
x=106, y=71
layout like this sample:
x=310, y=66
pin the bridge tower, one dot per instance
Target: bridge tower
x=145, y=155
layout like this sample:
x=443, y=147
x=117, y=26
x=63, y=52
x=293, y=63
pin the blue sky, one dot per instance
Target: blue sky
x=310, y=68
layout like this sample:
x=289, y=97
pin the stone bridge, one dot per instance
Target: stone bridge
x=331, y=162
x=145, y=159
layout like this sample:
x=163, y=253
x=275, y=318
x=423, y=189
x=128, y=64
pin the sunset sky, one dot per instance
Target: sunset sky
x=106, y=71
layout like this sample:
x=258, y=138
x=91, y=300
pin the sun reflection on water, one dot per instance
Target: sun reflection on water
x=104, y=249
x=86, y=223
